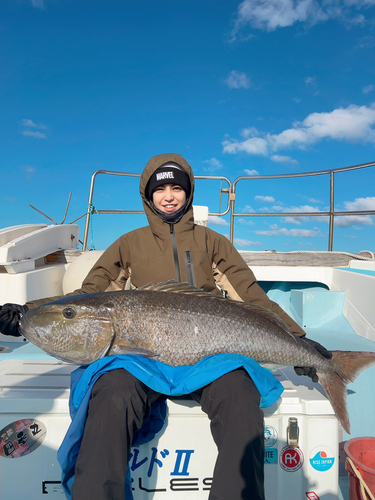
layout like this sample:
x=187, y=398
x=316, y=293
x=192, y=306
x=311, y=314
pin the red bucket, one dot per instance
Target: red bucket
x=362, y=452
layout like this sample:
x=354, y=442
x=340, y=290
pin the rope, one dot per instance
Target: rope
x=92, y=210
x=359, y=256
x=364, y=488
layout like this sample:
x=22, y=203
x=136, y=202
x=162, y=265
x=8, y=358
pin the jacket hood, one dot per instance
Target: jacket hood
x=153, y=164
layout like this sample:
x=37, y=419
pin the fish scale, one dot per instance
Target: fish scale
x=179, y=325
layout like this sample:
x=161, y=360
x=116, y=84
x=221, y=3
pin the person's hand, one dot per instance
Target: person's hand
x=310, y=371
x=10, y=314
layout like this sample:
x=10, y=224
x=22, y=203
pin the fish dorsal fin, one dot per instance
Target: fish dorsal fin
x=267, y=314
x=175, y=287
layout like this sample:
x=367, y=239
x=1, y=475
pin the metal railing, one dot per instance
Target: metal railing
x=230, y=190
x=331, y=213
x=91, y=209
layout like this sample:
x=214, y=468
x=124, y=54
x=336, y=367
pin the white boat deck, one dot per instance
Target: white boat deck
x=331, y=296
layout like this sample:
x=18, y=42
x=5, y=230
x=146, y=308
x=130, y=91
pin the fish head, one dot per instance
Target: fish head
x=71, y=329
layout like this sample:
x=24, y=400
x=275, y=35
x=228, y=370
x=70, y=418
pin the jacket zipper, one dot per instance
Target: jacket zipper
x=175, y=253
x=190, y=267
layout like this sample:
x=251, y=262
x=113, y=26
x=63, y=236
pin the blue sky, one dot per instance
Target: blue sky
x=254, y=87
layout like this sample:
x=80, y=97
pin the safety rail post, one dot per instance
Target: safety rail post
x=331, y=210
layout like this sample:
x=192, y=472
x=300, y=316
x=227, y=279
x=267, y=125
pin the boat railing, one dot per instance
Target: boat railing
x=225, y=189
x=331, y=213
x=230, y=189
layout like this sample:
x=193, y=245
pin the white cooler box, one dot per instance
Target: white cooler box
x=301, y=439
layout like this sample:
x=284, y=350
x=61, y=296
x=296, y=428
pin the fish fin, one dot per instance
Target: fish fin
x=273, y=367
x=135, y=351
x=267, y=314
x=175, y=287
x=347, y=365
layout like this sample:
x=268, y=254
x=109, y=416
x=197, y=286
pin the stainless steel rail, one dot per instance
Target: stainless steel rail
x=231, y=192
x=91, y=209
x=331, y=214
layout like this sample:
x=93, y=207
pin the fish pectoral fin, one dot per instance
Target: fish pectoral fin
x=273, y=367
x=135, y=351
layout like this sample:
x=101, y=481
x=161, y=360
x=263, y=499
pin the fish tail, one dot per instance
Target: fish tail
x=346, y=366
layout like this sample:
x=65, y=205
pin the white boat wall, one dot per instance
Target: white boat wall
x=331, y=295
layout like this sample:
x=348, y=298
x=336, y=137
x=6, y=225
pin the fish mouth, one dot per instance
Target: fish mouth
x=32, y=334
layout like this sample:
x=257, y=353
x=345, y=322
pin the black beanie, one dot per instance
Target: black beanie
x=171, y=173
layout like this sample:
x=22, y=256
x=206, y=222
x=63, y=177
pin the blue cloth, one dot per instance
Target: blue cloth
x=166, y=379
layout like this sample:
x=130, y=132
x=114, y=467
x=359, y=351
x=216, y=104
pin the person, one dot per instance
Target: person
x=171, y=247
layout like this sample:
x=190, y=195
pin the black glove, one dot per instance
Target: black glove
x=310, y=371
x=10, y=314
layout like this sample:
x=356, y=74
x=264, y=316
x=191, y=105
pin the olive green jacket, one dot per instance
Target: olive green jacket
x=147, y=254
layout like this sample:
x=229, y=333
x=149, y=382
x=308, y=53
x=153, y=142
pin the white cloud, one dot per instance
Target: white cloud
x=239, y=242
x=252, y=146
x=292, y=220
x=213, y=165
x=358, y=204
x=267, y=199
x=247, y=209
x=217, y=221
x=366, y=42
x=310, y=80
x=246, y=222
x=361, y=204
x=29, y=123
x=353, y=220
x=300, y=233
x=271, y=14
x=37, y=135
x=368, y=88
x=268, y=15
x=354, y=123
x=31, y=133
x=30, y=169
x=249, y=132
x=284, y=159
x=238, y=80
x=301, y=208
x=251, y=172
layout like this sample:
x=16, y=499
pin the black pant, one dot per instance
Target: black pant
x=118, y=405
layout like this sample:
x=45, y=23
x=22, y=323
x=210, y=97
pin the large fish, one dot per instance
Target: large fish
x=179, y=325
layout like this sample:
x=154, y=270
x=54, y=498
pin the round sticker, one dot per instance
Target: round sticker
x=322, y=458
x=291, y=459
x=21, y=438
x=270, y=435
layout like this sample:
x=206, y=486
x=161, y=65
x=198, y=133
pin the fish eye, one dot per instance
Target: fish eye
x=69, y=313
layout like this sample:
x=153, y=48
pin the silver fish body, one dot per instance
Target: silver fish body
x=179, y=325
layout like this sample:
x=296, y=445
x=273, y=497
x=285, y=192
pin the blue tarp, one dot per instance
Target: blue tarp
x=166, y=379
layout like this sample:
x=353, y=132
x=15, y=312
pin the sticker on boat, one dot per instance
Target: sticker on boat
x=21, y=437
x=291, y=459
x=270, y=435
x=322, y=458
